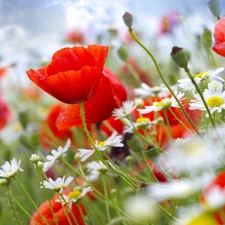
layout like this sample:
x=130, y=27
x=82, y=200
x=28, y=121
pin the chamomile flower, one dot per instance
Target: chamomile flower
x=114, y=141
x=212, y=75
x=74, y=196
x=95, y=168
x=184, y=155
x=9, y=169
x=127, y=108
x=55, y=155
x=145, y=91
x=141, y=122
x=214, y=97
x=58, y=185
x=178, y=189
x=165, y=103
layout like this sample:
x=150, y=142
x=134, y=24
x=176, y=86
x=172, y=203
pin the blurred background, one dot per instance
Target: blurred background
x=34, y=29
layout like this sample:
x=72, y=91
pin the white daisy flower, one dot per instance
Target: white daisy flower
x=214, y=97
x=141, y=122
x=212, y=75
x=84, y=154
x=95, y=168
x=9, y=169
x=55, y=155
x=127, y=108
x=58, y=185
x=74, y=196
x=163, y=104
x=214, y=198
x=184, y=155
x=178, y=189
x=145, y=91
x=113, y=140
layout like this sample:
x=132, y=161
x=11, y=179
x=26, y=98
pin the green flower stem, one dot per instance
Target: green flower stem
x=81, y=213
x=12, y=206
x=181, y=122
x=64, y=208
x=165, y=212
x=32, y=201
x=187, y=70
x=173, y=211
x=134, y=73
x=106, y=196
x=163, y=80
x=124, y=177
x=46, y=195
x=168, y=124
x=212, y=58
x=24, y=210
x=117, y=220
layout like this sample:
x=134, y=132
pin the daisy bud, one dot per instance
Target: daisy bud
x=207, y=39
x=77, y=156
x=153, y=133
x=3, y=181
x=179, y=56
x=135, y=143
x=214, y=7
x=129, y=158
x=160, y=120
x=35, y=158
x=122, y=53
x=128, y=19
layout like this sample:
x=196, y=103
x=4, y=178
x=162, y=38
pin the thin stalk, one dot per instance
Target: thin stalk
x=12, y=206
x=173, y=212
x=106, y=196
x=168, y=124
x=163, y=80
x=32, y=201
x=187, y=70
x=46, y=195
x=134, y=73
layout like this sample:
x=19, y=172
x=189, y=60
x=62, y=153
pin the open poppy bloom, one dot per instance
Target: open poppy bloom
x=73, y=74
x=5, y=113
x=59, y=214
x=109, y=95
x=219, y=35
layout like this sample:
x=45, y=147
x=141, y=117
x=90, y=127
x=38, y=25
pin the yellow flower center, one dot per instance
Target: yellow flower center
x=200, y=75
x=215, y=101
x=142, y=119
x=159, y=104
x=101, y=143
x=74, y=195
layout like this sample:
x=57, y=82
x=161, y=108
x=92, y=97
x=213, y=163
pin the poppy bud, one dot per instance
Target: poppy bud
x=214, y=7
x=122, y=53
x=128, y=19
x=179, y=56
x=135, y=143
x=24, y=118
x=207, y=39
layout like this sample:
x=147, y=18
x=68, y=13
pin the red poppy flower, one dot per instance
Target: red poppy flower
x=109, y=95
x=219, y=35
x=59, y=214
x=5, y=113
x=50, y=129
x=73, y=74
x=74, y=37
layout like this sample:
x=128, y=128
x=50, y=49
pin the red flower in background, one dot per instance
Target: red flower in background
x=5, y=113
x=73, y=75
x=3, y=71
x=30, y=92
x=219, y=35
x=50, y=127
x=59, y=214
x=109, y=95
x=74, y=37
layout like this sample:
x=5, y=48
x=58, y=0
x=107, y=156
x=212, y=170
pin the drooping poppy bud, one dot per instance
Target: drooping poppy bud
x=128, y=19
x=179, y=56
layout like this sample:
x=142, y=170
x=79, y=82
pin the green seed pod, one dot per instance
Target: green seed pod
x=214, y=7
x=122, y=53
x=207, y=39
x=128, y=19
x=179, y=56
